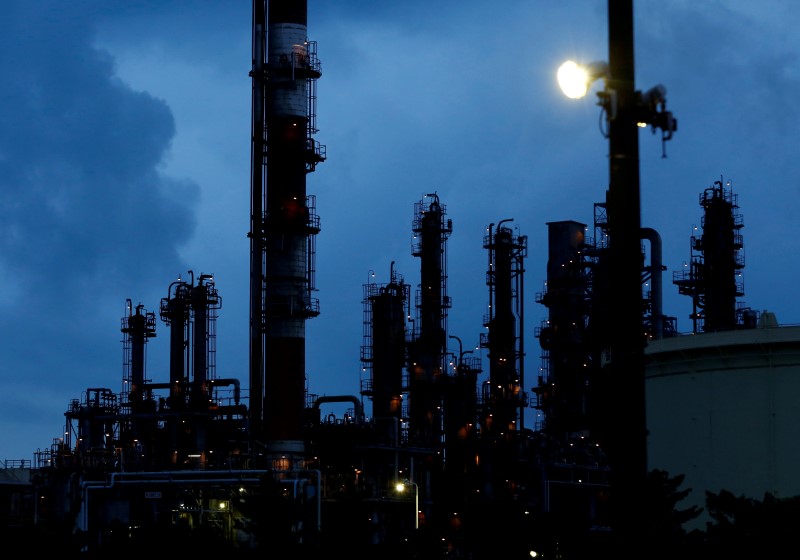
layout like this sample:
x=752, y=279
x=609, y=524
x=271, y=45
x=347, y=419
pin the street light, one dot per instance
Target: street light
x=648, y=108
x=622, y=429
x=575, y=78
x=401, y=487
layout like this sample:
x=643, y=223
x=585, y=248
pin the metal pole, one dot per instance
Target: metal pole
x=416, y=505
x=625, y=398
x=258, y=150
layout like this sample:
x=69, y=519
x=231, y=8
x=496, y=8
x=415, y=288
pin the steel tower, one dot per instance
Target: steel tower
x=563, y=385
x=504, y=398
x=713, y=277
x=428, y=350
x=383, y=355
x=283, y=223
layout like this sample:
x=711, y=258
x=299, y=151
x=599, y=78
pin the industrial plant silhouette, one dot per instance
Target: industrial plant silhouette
x=434, y=457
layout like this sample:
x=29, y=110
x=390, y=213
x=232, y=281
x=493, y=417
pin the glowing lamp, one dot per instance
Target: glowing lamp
x=575, y=79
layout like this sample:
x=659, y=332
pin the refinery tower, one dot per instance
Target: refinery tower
x=283, y=224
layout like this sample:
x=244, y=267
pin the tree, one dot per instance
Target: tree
x=744, y=526
x=666, y=537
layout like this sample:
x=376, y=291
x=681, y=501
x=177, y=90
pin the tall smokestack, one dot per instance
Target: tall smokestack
x=283, y=223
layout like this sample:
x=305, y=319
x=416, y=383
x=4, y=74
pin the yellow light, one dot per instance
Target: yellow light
x=573, y=80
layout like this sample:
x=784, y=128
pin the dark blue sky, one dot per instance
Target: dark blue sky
x=125, y=162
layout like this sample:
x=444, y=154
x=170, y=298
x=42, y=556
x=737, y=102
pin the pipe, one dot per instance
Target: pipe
x=656, y=268
x=342, y=398
x=227, y=382
x=159, y=477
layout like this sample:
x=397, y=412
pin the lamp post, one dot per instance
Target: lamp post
x=626, y=438
x=401, y=487
x=622, y=429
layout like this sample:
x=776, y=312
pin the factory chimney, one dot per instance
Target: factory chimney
x=283, y=224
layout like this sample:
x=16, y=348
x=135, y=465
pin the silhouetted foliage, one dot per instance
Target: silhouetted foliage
x=744, y=526
x=663, y=498
x=666, y=536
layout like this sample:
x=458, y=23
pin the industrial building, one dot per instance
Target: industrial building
x=719, y=399
x=433, y=458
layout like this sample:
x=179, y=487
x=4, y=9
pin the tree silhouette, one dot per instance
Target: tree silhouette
x=744, y=526
x=666, y=537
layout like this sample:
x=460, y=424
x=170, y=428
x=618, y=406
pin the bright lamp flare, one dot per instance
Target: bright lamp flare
x=573, y=79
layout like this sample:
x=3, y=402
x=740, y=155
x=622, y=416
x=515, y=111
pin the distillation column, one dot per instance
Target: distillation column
x=722, y=262
x=205, y=300
x=384, y=351
x=712, y=278
x=430, y=342
x=503, y=397
x=137, y=328
x=283, y=223
x=563, y=392
x=188, y=310
x=176, y=313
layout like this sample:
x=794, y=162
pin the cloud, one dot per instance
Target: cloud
x=88, y=215
x=79, y=163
